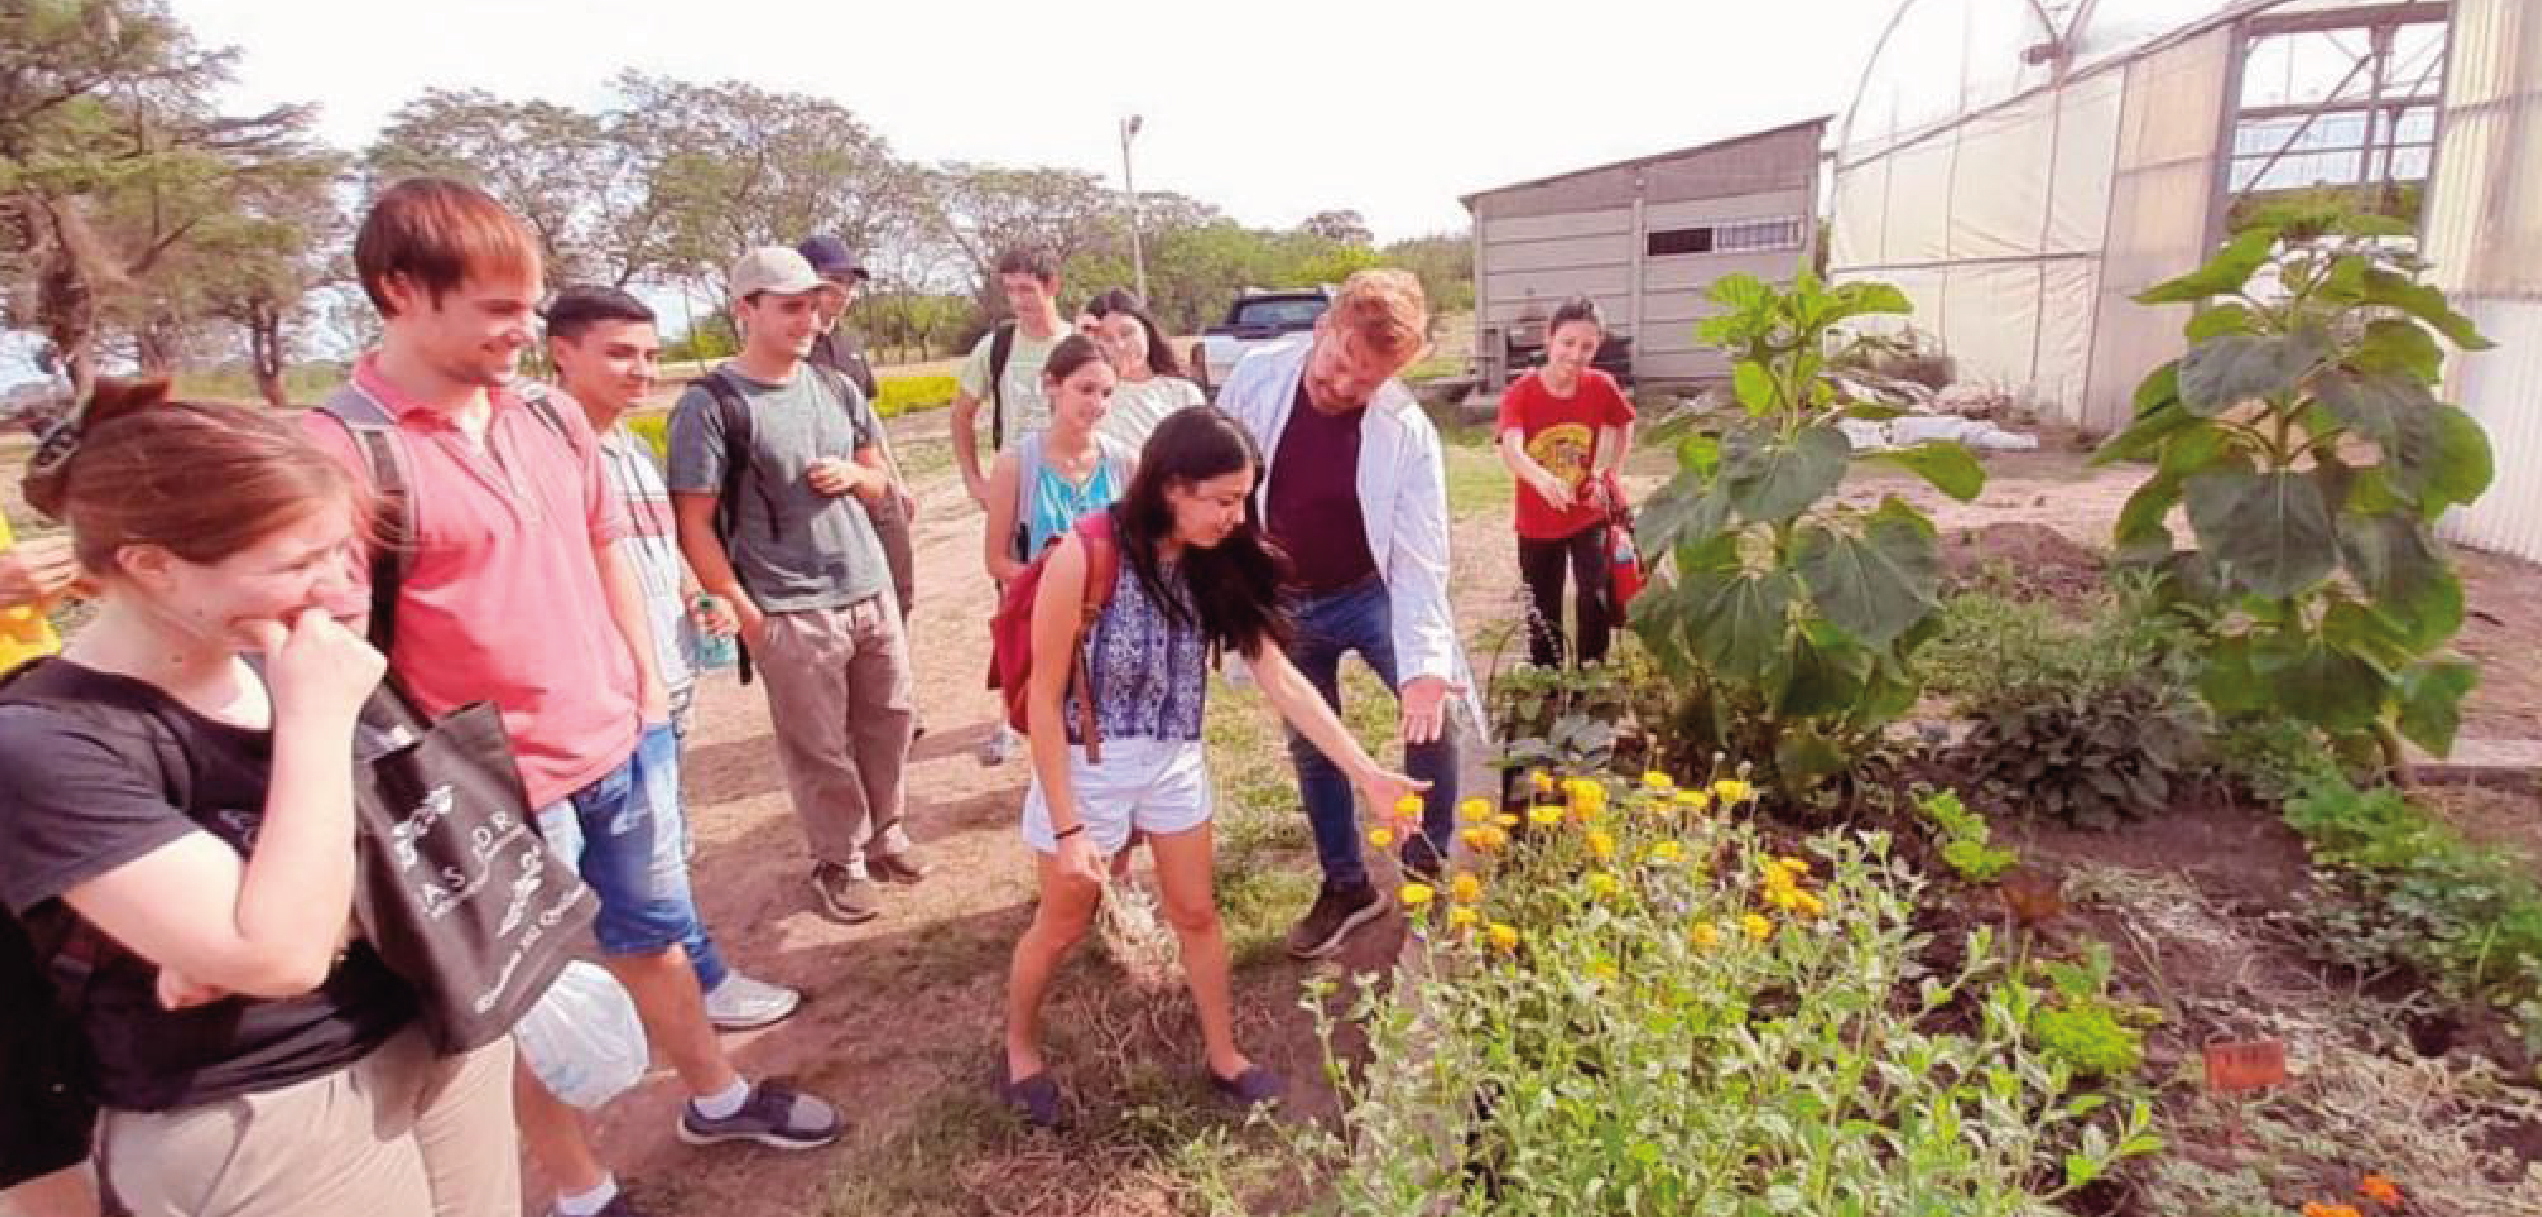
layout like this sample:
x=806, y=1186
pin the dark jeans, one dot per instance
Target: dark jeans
x=1330, y=626
x=1541, y=564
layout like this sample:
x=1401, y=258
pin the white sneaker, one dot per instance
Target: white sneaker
x=740, y=1003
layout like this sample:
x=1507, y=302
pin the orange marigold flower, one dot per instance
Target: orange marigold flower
x=2380, y=1190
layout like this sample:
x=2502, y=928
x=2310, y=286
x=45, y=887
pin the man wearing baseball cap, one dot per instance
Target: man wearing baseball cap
x=774, y=468
x=838, y=348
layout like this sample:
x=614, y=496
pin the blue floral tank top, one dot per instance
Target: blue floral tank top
x=1150, y=672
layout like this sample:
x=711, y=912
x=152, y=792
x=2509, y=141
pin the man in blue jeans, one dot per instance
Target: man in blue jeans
x=1353, y=489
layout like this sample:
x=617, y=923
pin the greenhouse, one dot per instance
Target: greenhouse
x=2024, y=168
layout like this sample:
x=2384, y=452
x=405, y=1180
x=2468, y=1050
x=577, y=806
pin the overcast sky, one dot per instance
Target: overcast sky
x=1271, y=111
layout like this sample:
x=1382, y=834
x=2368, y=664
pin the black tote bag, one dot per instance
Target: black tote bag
x=457, y=891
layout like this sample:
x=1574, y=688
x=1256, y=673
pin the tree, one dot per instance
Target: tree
x=271, y=258
x=984, y=210
x=1344, y=226
x=109, y=159
x=561, y=170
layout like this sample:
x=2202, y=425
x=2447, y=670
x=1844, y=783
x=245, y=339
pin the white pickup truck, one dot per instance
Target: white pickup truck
x=1258, y=317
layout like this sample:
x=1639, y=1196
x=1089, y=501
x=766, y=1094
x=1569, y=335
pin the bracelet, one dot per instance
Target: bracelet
x=1065, y=833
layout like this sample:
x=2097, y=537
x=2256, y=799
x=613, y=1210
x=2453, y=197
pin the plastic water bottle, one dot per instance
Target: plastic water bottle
x=710, y=652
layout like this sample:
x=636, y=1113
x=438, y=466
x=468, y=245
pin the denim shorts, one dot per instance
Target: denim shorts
x=623, y=834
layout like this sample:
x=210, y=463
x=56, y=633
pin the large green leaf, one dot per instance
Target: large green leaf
x=1803, y=759
x=2221, y=373
x=2396, y=345
x=1772, y=479
x=2394, y=559
x=2146, y=435
x=1753, y=387
x=1700, y=452
x=2224, y=274
x=2377, y=405
x=2393, y=289
x=1686, y=509
x=2431, y=702
x=1874, y=583
x=1946, y=464
x=2271, y=531
x=2459, y=465
x=2141, y=535
x=1736, y=620
x=2315, y=682
x=1827, y=671
x=2219, y=320
x=2231, y=688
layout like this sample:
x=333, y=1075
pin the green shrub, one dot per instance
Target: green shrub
x=2418, y=893
x=904, y=394
x=1966, y=839
x=654, y=429
x=1650, y=1010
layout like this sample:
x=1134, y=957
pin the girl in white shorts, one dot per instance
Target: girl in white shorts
x=1195, y=576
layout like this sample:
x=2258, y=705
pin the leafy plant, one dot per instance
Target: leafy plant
x=1966, y=838
x=2081, y=1026
x=1791, y=615
x=2417, y=893
x=2303, y=436
x=1568, y=718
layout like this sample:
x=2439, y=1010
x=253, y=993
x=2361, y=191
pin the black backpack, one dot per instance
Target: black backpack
x=1001, y=349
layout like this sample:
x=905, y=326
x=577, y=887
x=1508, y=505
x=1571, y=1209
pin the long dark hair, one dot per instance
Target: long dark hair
x=1231, y=590
x=1161, y=358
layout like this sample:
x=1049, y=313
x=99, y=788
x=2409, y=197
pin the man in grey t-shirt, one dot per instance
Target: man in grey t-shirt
x=773, y=468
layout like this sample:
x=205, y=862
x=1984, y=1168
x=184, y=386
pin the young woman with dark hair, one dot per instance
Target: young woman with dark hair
x=1196, y=577
x=1564, y=430
x=1152, y=383
x=189, y=816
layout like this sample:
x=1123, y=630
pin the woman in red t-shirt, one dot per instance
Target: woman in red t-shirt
x=1564, y=429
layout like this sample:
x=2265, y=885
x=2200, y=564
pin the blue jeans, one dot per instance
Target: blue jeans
x=1328, y=627
x=628, y=836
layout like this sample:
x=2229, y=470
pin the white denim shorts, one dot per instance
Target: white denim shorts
x=1153, y=786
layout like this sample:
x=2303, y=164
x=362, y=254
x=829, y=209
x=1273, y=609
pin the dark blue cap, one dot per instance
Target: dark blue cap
x=830, y=259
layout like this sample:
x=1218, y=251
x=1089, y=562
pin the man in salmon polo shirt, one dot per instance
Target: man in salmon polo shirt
x=514, y=592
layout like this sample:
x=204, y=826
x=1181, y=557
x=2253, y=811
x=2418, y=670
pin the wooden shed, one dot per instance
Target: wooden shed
x=1644, y=238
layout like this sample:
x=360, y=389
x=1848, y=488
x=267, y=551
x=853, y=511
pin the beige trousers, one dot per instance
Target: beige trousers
x=402, y=1133
x=840, y=697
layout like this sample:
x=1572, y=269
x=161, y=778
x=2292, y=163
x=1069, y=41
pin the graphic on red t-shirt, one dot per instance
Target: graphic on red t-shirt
x=1560, y=433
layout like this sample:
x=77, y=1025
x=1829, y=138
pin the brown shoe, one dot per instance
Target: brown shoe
x=903, y=867
x=848, y=899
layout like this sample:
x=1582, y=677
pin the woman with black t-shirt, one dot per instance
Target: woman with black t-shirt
x=181, y=823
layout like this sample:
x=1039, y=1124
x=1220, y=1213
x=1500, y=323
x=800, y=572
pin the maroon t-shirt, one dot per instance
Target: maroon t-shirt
x=1313, y=510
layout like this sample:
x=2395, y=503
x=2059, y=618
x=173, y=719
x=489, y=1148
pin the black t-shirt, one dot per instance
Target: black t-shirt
x=1313, y=508
x=85, y=789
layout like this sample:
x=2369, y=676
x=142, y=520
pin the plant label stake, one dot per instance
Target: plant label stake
x=2237, y=1067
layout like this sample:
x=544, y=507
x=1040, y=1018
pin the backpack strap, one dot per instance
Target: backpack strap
x=374, y=433
x=1001, y=349
x=734, y=414
x=1103, y=569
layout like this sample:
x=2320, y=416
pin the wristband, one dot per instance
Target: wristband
x=1065, y=833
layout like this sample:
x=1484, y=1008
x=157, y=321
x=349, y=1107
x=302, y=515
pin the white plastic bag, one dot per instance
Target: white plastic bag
x=583, y=1040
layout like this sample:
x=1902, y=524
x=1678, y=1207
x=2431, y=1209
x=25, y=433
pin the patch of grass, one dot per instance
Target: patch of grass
x=1476, y=480
x=900, y=395
x=304, y=384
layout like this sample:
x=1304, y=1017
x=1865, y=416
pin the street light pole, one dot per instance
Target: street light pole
x=1129, y=186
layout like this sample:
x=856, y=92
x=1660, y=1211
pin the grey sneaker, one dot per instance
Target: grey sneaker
x=847, y=898
x=775, y=1114
x=1337, y=911
x=741, y=1003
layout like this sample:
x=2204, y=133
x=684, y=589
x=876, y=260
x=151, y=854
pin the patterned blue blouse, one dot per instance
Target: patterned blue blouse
x=1150, y=674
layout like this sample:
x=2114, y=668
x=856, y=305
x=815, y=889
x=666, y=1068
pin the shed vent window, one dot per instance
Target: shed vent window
x=1668, y=241
x=1753, y=235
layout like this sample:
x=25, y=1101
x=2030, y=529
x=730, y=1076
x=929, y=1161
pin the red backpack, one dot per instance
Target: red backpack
x=1011, y=630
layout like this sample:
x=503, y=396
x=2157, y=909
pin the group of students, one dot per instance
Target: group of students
x=177, y=778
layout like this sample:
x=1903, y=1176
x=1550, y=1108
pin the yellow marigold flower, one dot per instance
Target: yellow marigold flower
x=1798, y=866
x=1809, y=905
x=1706, y=935
x=1465, y=888
x=1473, y=838
x=1506, y=820
x=1658, y=781
x=1463, y=918
x=1783, y=898
x=1503, y=935
x=1666, y=853
x=1603, y=885
x=1381, y=836
x=1733, y=791
x=1416, y=895
x=1486, y=838
x=1474, y=811
x=1757, y=927
x=1541, y=781
x=1601, y=844
x=1544, y=815
x=1694, y=800
x=1604, y=970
